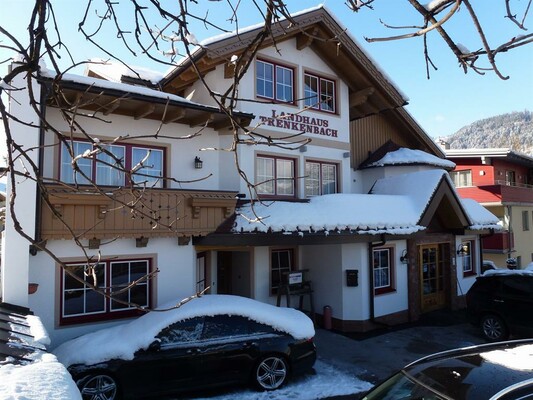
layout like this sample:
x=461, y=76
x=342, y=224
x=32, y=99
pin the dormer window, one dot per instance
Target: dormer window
x=273, y=81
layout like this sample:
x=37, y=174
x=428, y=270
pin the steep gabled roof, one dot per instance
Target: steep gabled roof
x=371, y=91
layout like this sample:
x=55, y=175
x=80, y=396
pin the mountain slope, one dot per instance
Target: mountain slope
x=514, y=130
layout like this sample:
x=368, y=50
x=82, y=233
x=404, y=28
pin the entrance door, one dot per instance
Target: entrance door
x=431, y=278
x=201, y=272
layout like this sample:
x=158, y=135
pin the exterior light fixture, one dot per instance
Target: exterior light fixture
x=404, y=259
x=462, y=249
x=198, y=164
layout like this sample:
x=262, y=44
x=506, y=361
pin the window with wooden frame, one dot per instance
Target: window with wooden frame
x=274, y=176
x=80, y=303
x=274, y=81
x=319, y=93
x=525, y=220
x=461, y=178
x=467, y=257
x=320, y=178
x=106, y=168
x=382, y=261
x=281, y=263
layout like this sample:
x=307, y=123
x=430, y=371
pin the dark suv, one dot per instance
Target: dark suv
x=501, y=303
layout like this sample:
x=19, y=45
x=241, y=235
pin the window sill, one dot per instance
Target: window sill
x=381, y=291
x=469, y=274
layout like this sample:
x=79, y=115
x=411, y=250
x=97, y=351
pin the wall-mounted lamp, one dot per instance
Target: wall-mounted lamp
x=462, y=249
x=198, y=164
x=404, y=259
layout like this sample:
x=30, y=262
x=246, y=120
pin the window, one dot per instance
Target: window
x=79, y=303
x=319, y=93
x=525, y=220
x=275, y=176
x=510, y=178
x=320, y=178
x=466, y=254
x=274, y=82
x=105, y=168
x=383, y=270
x=461, y=178
x=282, y=262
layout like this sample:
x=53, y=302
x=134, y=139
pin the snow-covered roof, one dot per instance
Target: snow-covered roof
x=114, y=71
x=122, y=341
x=122, y=87
x=479, y=216
x=418, y=186
x=361, y=213
x=394, y=206
x=405, y=156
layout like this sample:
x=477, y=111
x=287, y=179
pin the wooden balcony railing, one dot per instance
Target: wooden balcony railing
x=499, y=242
x=127, y=213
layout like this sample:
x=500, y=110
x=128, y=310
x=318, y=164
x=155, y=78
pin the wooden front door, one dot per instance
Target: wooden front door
x=431, y=278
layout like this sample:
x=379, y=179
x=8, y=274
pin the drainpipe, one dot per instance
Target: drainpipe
x=371, y=247
x=40, y=164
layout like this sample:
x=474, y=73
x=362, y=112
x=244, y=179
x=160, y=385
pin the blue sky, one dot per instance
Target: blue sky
x=443, y=104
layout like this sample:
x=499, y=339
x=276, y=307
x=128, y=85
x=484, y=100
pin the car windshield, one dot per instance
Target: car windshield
x=400, y=387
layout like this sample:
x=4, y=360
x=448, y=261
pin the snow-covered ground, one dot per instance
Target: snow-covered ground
x=327, y=381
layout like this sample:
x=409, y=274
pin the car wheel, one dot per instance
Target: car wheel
x=98, y=387
x=271, y=373
x=494, y=328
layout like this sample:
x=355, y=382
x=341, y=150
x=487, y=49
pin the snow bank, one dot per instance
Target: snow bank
x=122, y=341
x=44, y=378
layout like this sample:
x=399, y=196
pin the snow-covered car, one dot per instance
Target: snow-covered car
x=209, y=341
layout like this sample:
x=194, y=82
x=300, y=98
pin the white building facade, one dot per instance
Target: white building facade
x=365, y=210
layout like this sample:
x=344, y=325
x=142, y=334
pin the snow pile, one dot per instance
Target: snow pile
x=111, y=343
x=516, y=358
x=373, y=214
x=406, y=156
x=44, y=378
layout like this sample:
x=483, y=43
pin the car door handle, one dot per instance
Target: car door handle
x=249, y=345
x=499, y=301
x=194, y=351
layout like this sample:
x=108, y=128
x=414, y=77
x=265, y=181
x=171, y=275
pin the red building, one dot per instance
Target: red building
x=502, y=181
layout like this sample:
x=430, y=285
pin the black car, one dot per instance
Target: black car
x=501, y=303
x=495, y=371
x=211, y=341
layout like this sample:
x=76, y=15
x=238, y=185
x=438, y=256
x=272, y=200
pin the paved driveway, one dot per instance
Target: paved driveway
x=374, y=357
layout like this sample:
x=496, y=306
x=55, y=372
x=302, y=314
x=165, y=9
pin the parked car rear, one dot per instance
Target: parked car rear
x=501, y=303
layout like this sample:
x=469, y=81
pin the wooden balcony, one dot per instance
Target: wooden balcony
x=131, y=213
x=501, y=242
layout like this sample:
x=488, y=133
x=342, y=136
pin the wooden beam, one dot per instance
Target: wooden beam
x=174, y=115
x=305, y=39
x=361, y=96
x=112, y=106
x=143, y=111
x=201, y=120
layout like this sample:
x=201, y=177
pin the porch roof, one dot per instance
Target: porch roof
x=395, y=206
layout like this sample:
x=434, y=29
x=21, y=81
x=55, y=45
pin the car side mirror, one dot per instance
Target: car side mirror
x=155, y=345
